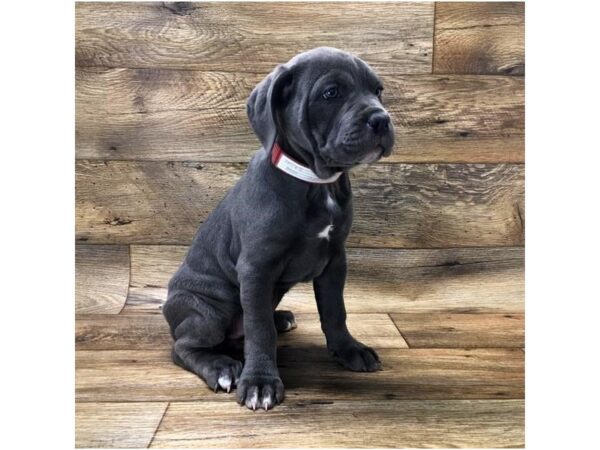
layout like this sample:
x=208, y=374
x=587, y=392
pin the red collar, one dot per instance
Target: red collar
x=292, y=167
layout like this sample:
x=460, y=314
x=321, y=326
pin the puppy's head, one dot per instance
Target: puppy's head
x=326, y=106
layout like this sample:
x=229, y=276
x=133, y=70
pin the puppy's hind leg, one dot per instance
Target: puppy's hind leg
x=198, y=339
x=284, y=321
x=218, y=370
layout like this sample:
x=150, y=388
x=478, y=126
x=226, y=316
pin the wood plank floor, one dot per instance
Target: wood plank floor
x=436, y=253
x=451, y=376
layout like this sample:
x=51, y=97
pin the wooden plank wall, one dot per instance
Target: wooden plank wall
x=438, y=238
x=161, y=131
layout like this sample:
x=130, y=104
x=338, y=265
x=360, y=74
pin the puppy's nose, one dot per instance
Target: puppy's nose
x=379, y=122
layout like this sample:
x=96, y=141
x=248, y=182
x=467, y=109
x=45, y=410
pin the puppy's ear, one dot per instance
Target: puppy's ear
x=264, y=102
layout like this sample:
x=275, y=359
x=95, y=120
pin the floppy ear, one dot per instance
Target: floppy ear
x=263, y=103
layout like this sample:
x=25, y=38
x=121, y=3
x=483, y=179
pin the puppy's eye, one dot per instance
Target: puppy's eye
x=378, y=92
x=331, y=93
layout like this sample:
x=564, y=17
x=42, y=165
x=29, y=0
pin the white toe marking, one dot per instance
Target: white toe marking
x=267, y=401
x=225, y=382
x=324, y=234
x=254, y=400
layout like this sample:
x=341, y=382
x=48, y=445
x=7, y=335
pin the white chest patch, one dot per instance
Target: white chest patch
x=324, y=234
x=331, y=207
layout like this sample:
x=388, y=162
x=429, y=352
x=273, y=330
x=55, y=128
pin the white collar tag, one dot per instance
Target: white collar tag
x=286, y=164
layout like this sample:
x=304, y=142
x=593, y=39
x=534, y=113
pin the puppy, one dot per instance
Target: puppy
x=284, y=222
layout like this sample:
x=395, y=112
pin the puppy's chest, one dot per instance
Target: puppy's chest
x=326, y=224
x=325, y=220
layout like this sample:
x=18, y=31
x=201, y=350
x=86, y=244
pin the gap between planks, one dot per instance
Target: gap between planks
x=158, y=426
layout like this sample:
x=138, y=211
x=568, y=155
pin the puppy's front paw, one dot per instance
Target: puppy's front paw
x=259, y=391
x=356, y=356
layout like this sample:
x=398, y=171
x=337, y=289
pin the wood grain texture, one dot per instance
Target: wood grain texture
x=393, y=424
x=435, y=252
x=101, y=278
x=309, y=373
x=396, y=205
x=479, y=38
x=116, y=425
x=152, y=266
x=379, y=280
x=152, y=114
x=150, y=332
x=462, y=330
x=239, y=37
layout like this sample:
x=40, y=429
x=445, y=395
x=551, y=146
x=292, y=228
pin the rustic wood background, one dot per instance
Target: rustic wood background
x=436, y=251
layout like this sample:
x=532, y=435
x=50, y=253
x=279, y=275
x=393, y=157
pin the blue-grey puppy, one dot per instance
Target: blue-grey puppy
x=285, y=221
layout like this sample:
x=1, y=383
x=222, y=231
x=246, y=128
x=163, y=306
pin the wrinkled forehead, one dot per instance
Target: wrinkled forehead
x=324, y=64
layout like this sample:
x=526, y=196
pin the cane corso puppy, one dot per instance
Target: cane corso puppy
x=284, y=222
